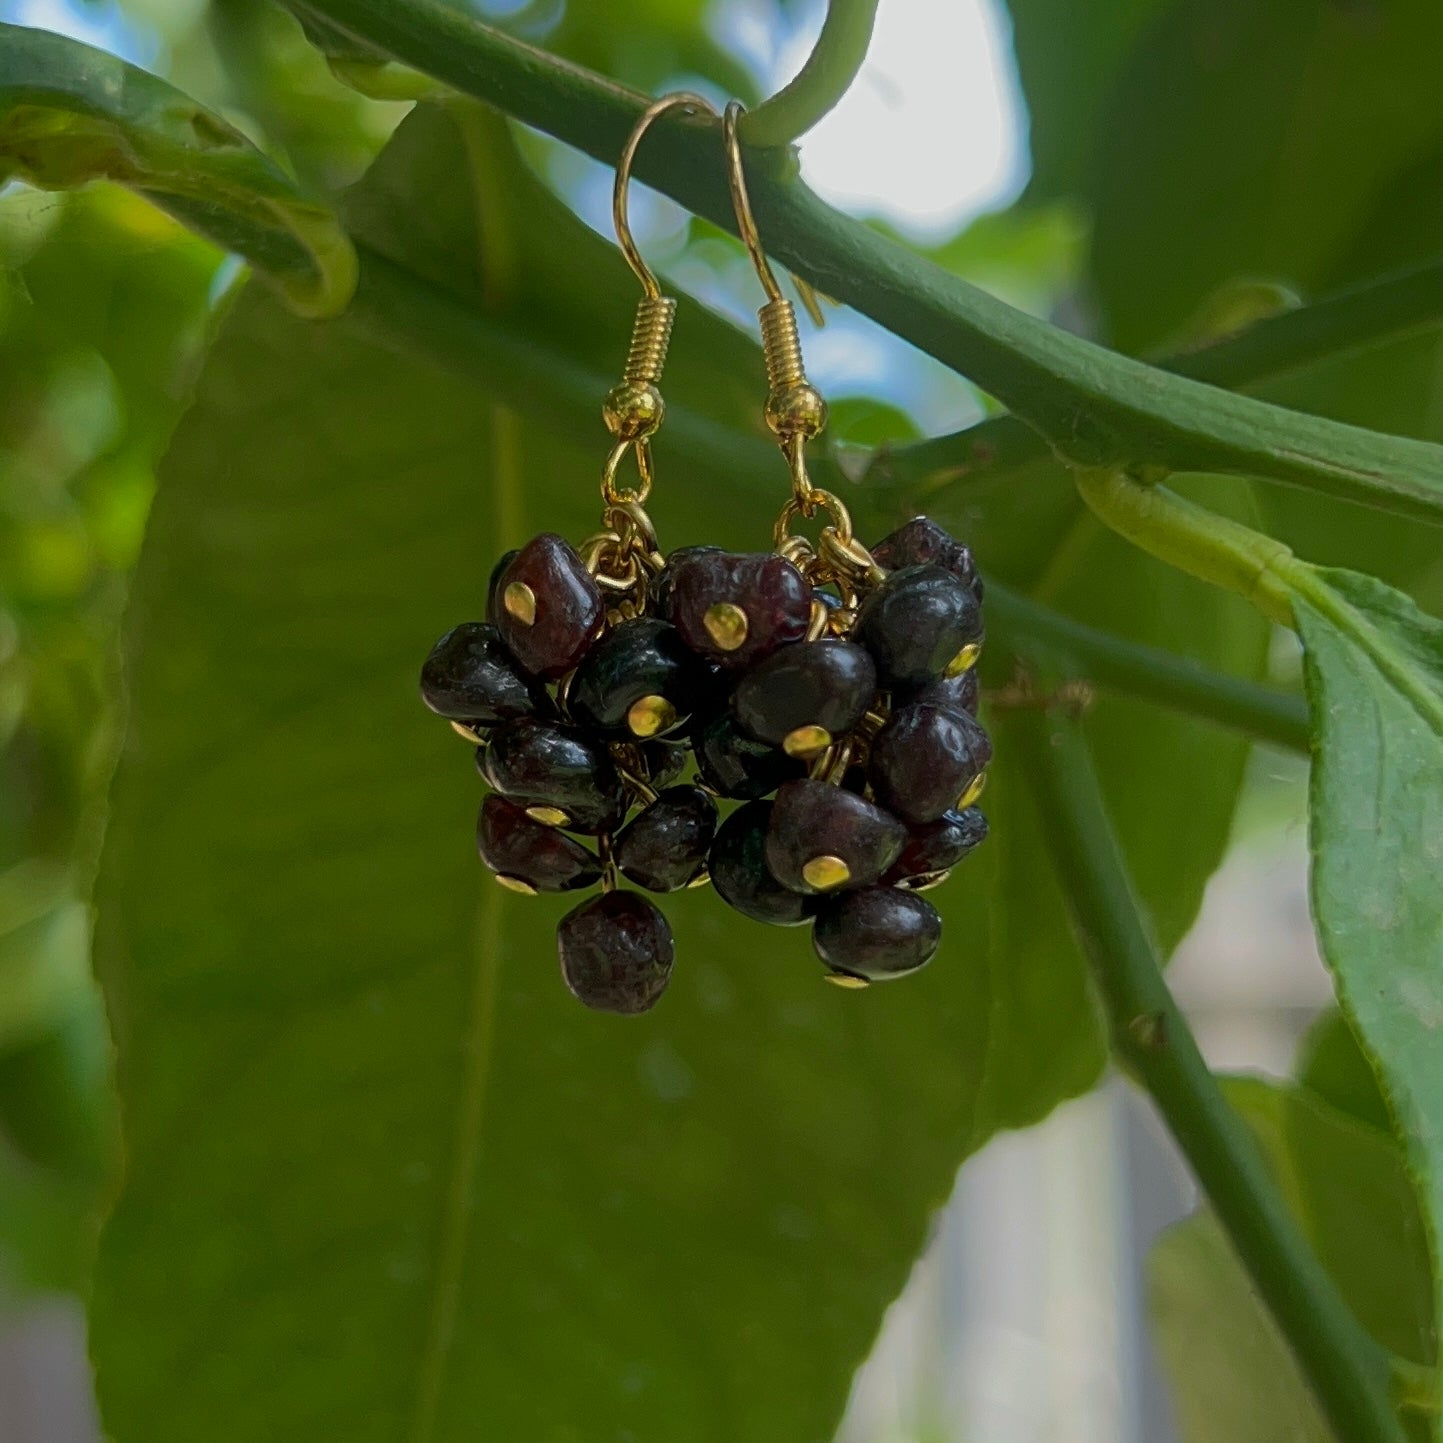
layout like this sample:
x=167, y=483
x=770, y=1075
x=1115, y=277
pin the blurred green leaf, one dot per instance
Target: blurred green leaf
x=44, y=952
x=1374, y=670
x=1335, y=1069
x=71, y=114
x=1250, y=140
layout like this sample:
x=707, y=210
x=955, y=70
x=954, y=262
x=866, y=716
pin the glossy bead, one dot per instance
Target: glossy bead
x=639, y=680
x=663, y=762
x=737, y=608
x=740, y=875
x=469, y=676
x=665, y=847
x=960, y=693
x=661, y=585
x=924, y=758
x=734, y=765
x=934, y=847
x=877, y=933
x=493, y=586
x=520, y=849
x=824, y=684
x=823, y=838
x=539, y=764
x=549, y=606
x=916, y=624
x=616, y=952
x=922, y=542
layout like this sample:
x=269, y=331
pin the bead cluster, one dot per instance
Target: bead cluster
x=619, y=700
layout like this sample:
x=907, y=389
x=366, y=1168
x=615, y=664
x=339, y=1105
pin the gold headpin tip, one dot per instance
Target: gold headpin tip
x=826, y=873
x=702, y=879
x=515, y=884
x=845, y=979
x=805, y=742
x=520, y=602
x=549, y=816
x=965, y=659
x=649, y=715
x=926, y=881
x=465, y=732
x=975, y=788
x=726, y=624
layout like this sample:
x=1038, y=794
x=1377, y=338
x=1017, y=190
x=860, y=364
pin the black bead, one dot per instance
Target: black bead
x=924, y=758
x=642, y=658
x=665, y=847
x=877, y=934
x=934, y=847
x=734, y=765
x=616, y=952
x=548, y=622
x=917, y=622
x=470, y=677
x=663, y=762
x=515, y=845
x=539, y=764
x=736, y=608
x=739, y=872
x=823, y=839
x=959, y=693
x=827, y=684
x=922, y=542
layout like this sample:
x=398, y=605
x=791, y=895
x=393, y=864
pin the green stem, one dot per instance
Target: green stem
x=1095, y=407
x=1031, y=630
x=1368, y=315
x=825, y=78
x=1346, y=1368
x=1193, y=539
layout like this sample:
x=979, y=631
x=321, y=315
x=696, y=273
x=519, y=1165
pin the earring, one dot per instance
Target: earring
x=614, y=696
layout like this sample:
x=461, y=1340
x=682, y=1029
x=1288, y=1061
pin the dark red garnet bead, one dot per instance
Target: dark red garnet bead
x=827, y=684
x=493, y=586
x=959, y=693
x=924, y=758
x=616, y=952
x=733, y=765
x=548, y=606
x=541, y=765
x=470, y=677
x=737, y=608
x=665, y=847
x=922, y=542
x=640, y=680
x=515, y=845
x=916, y=624
x=741, y=877
x=877, y=933
x=934, y=847
x=823, y=839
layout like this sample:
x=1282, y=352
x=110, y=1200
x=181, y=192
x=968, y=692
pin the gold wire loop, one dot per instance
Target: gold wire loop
x=841, y=518
x=742, y=203
x=614, y=495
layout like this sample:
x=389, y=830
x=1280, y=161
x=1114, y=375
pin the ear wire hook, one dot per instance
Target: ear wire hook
x=634, y=410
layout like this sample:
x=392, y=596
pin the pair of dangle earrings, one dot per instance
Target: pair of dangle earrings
x=796, y=728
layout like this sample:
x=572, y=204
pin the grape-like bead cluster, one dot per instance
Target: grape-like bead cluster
x=841, y=736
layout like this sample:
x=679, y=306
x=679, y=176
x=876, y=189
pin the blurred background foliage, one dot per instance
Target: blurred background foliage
x=1194, y=164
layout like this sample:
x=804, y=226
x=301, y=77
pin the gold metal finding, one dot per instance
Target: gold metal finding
x=726, y=624
x=845, y=979
x=520, y=602
x=649, y=715
x=975, y=788
x=806, y=742
x=965, y=659
x=465, y=732
x=548, y=816
x=515, y=884
x=826, y=873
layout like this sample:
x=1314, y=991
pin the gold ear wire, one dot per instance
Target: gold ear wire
x=634, y=410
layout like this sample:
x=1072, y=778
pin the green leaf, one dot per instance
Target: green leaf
x=71, y=114
x=355, y=1089
x=1374, y=671
x=1231, y=1376
x=1336, y=1070
x=1231, y=1373
x=1250, y=138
